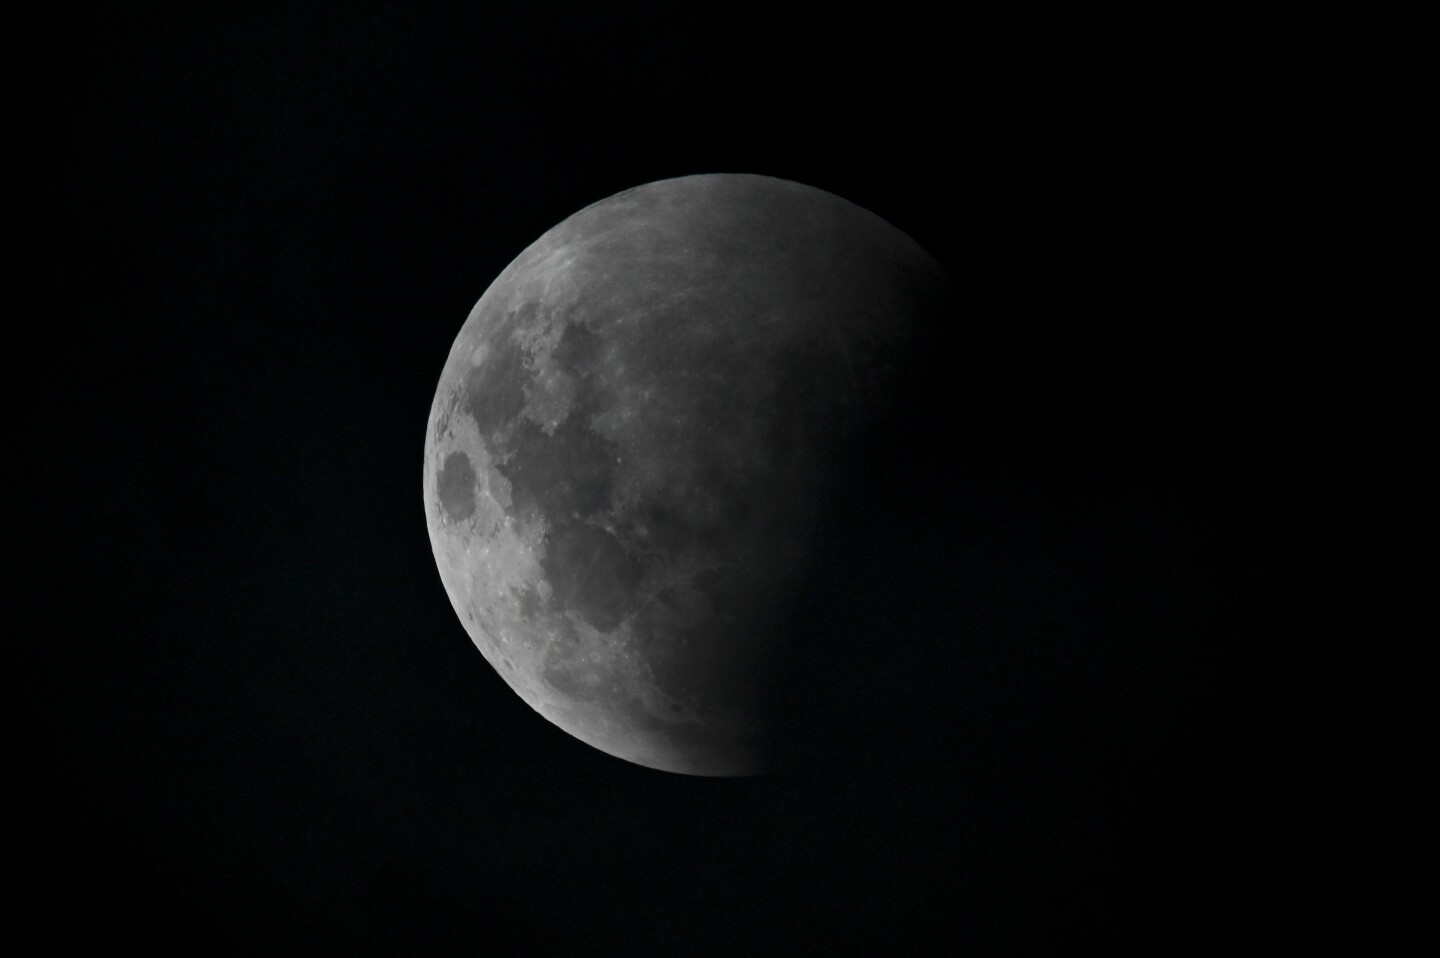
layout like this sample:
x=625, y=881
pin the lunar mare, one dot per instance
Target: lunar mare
x=632, y=438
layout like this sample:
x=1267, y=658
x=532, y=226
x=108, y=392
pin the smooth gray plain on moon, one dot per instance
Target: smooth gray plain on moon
x=632, y=440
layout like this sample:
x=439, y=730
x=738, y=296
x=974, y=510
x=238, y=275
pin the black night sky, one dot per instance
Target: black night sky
x=1106, y=665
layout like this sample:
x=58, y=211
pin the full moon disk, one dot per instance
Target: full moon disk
x=633, y=439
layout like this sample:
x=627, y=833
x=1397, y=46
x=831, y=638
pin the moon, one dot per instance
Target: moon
x=634, y=436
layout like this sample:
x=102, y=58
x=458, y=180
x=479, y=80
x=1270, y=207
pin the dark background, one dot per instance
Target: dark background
x=1108, y=663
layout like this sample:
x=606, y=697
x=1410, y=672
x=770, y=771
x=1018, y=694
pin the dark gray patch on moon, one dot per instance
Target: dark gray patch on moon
x=494, y=393
x=562, y=476
x=456, y=487
x=591, y=574
x=578, y=349
x=564, y=674
x=530, y=602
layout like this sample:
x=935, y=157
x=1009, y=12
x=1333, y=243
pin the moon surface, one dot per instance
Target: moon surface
x=633, y=439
